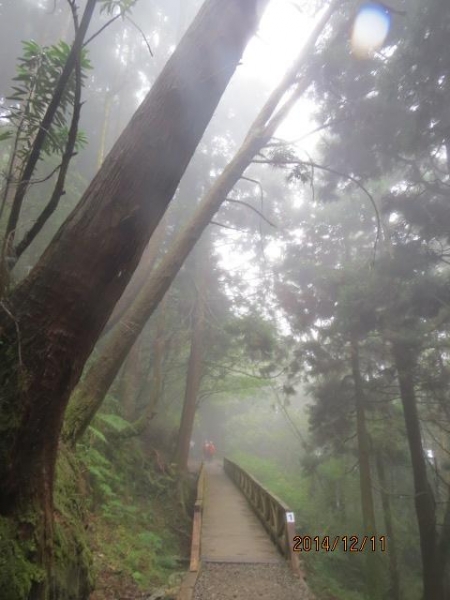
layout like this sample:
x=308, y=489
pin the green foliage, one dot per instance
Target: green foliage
x=71, y=576
x=96, y=433
x=134, y=506
x=111, y=7
x=38, y=72
x=73, y=568
x=290, y=488
x=17, y=569
x=5, y=135
x=115, y=422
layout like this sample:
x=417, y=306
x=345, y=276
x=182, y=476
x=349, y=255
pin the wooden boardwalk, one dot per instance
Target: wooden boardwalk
x=231, y=532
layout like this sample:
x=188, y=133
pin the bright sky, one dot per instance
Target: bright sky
x=282, y=32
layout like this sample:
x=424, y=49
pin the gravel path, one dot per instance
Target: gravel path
x=224, y=581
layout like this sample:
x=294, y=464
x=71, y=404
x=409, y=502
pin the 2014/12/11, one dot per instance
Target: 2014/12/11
x=353, y=543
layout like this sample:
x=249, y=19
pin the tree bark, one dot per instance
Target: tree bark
x=140, y=276
x=156, y=382
x=62, y=306
x=89, y=395
x=51, y=321
x=365, y=479
x=363, y=445
x=433, y=577
x=193, y=378
x=151, y=389
x=394, y=574
x=131, y=376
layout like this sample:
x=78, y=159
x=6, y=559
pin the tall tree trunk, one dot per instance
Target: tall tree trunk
x=140, y=276
x=365, y=479
x=152, y=389
x=131, y=375
x=104, y=129
x=394, y=575
x=159, y=352
x=89, y=395
x=50, y=323
x=193, y=379
x=433, y=584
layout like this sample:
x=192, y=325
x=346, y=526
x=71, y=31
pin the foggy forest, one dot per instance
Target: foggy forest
x=224, y=300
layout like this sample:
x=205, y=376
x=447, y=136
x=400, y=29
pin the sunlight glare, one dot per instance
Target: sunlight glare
x=281, y=34
x=370, y=29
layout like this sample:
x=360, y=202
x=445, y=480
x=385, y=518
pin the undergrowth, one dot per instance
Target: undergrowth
x=138, y=530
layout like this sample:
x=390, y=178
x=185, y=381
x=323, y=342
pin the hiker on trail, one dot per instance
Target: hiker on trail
x=211, y=450
x=206, y=450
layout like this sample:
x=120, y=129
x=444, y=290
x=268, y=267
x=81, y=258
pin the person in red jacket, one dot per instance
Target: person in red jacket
x=206, y=450
x=211, y=450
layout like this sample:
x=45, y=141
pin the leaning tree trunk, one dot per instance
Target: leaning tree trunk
x=89, y=395
x=433, y=577
x=50, y=323
x=140, y=276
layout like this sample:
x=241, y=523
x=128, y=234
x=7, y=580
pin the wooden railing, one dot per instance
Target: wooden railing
x=197, y=522
x=276, y=516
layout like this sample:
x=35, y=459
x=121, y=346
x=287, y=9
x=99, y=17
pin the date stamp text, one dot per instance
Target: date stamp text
x=345, y=543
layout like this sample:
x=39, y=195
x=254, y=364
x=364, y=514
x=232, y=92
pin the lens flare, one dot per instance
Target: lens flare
x=370, y=29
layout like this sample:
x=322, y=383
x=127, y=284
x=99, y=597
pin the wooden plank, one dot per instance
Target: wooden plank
x=197, y=523
x=230, y=528
x=282, y=529
x=196, y=538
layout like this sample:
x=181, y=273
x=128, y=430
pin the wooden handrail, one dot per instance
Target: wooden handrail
x=197, y=522
x=276, y=516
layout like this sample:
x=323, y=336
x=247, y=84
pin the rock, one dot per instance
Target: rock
x=159, y=594
x=175, y=579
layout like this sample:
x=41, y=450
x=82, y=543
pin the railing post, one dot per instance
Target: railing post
x=290, y=533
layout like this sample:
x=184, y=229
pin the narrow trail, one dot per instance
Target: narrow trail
x=239, y=561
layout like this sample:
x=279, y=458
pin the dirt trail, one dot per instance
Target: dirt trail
x=226, y=581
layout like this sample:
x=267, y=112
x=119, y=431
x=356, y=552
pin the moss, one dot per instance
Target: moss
x=71, y=574
x=18, y=572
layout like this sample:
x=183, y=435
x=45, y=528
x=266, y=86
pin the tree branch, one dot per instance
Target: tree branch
x=254, y=210
x=97, y=33
x=48, y=118
x=315, y=165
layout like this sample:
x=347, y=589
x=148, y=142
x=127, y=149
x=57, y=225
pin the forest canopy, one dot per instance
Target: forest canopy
x=224, y=221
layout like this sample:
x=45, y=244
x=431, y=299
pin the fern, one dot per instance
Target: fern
x=148, y=538
x=97, y=434
x=115, y=422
